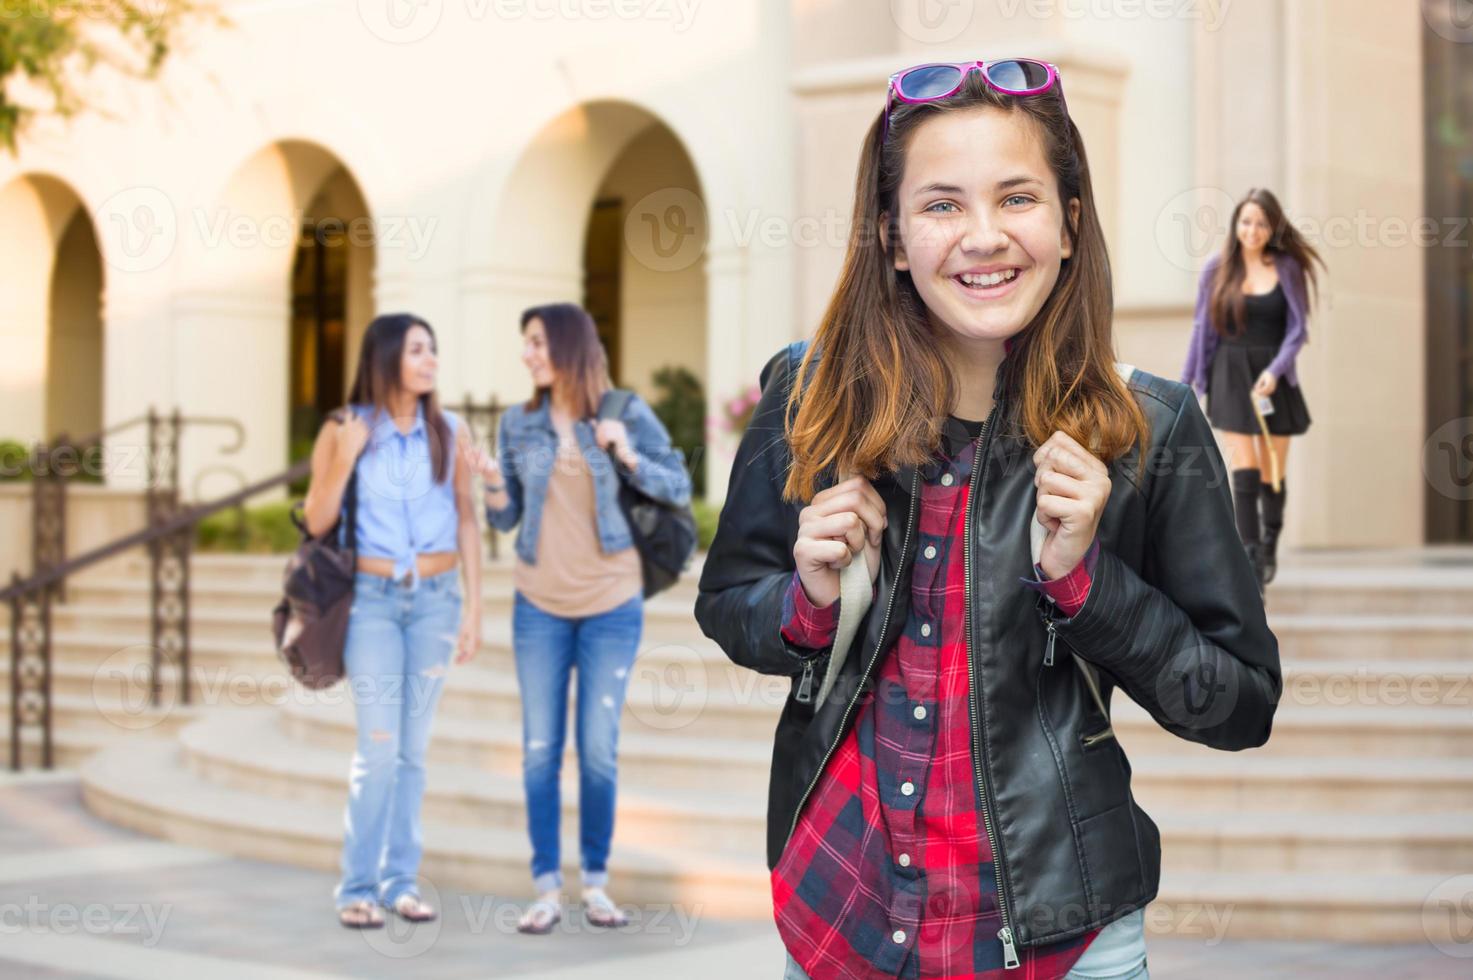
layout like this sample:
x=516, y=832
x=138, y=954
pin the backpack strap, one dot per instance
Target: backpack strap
x=613, y=403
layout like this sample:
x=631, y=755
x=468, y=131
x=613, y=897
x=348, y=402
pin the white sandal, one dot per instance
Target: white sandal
x=532, y=923
x=360, y=915
x=601, y=911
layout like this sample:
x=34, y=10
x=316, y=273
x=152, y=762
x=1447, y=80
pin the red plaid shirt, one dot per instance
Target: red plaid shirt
x=889, y=871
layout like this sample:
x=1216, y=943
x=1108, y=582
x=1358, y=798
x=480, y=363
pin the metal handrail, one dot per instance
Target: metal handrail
x=186, y=519
x=168, y=539
x=39, y=590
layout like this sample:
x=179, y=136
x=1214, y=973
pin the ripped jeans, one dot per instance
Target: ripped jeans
x=400, y=639
x=548, y=647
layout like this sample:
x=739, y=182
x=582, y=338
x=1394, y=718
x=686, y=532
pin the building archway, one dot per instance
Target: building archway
x=279, y=289
x=51, y=289
x=604, y=208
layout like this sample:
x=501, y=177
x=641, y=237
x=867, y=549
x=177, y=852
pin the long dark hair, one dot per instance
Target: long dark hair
x=1284, y=239
x=883, y=386
x=380, y=361
x=577, y=355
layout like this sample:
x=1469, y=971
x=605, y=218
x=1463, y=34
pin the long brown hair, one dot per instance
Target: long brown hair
x=882, y=386
x=1284, y=239
x=576, y=353
x=380, y=366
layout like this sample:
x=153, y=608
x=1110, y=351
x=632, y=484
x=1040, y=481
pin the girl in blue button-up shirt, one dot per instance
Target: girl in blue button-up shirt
x=415, y=523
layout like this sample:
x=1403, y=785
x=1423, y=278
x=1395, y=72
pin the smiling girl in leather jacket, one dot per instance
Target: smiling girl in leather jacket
x=1033, y=525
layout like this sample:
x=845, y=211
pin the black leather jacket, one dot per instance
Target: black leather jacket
x=1173, y=618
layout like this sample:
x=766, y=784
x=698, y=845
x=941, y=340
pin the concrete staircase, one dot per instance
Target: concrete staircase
x=1342, y=828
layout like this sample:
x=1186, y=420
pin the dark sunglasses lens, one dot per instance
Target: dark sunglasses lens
x=1017, y=76
x=931, y=82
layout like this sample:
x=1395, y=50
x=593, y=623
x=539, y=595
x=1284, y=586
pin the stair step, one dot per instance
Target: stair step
x=1328, y=906
x=249, y=751
x=1254, y=782
x=150, y=791
x=653, y=760
x=1318, y=730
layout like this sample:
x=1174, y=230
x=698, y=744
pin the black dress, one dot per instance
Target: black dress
x=1239, y=360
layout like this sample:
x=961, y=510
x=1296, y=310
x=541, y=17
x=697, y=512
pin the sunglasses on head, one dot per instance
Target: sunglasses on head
x=931, y=83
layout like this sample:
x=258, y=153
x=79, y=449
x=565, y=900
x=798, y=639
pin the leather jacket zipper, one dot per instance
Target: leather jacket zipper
x=1005, y=934
x=864, y=678
x=1091, y=682
x=805, y=684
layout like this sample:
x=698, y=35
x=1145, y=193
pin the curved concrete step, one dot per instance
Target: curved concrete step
x=252, y=596
x=689, y=762
x=150, y=791
x=249, y=751
x=223, y=571
x=663, y=623
x=102, y=716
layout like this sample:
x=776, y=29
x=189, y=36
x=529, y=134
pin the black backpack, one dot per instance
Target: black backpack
x=664, y=535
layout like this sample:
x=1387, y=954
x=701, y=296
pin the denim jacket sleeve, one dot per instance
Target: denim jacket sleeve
x=506, y=518
x=661, y=471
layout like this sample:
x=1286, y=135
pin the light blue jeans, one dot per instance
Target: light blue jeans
x=1117, y=953
x=400, y=639
x=547, y=648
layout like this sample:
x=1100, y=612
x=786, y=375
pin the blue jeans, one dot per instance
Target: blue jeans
x=400, y=639
x=1117, y=953
x=548, y=647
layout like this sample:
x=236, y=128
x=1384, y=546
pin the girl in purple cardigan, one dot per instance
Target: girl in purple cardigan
x=1252, y=317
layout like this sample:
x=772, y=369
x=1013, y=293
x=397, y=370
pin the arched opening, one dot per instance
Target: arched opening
x=51, y=290
x=276, y=299
x=323, y=278
x=605, y=208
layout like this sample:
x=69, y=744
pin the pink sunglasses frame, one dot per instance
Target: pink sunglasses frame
x=892, y=92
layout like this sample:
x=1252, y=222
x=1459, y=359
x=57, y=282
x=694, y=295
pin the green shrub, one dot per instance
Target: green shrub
x=706, y=514
x=681, y=408
x=266, y=528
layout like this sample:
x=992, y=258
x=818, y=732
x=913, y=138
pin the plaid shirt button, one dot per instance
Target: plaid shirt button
x=907, y=788
x=925, y=629
x=930, y=551
x=947, y=480
x=904, y=860
x=899, y=936
x=920, y=712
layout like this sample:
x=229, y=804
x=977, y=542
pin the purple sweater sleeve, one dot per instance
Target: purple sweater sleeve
x=1204, y=339
x=1297, y=330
